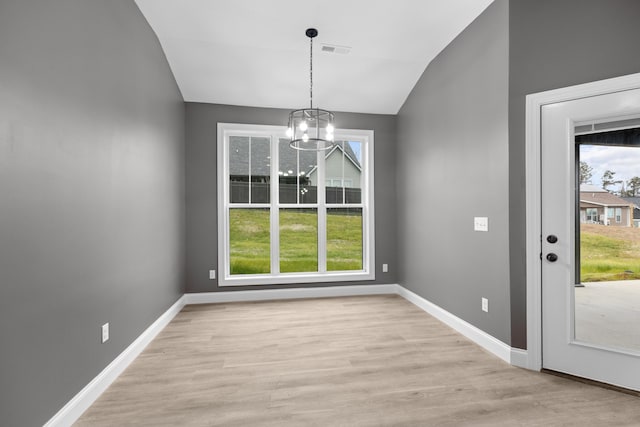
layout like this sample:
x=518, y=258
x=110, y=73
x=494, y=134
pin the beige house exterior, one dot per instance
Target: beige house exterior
x=342, y=169
x=598, y=206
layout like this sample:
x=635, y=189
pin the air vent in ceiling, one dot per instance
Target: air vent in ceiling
x=329, y=48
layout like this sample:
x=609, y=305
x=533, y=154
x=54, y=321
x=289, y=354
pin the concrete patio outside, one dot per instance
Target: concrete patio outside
x=608, y=314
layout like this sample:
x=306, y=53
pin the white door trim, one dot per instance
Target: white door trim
x=534, y=103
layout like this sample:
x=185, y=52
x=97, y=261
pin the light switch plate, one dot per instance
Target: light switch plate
x=385, y=268
x=105, y=333
x=481, y=223
x=212, y=274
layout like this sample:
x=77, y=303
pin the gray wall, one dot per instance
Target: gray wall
x=453, y=165
x=91, y=195
x=201, y=155
x=557, y=44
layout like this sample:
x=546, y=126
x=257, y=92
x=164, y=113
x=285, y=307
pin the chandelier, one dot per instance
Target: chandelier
x=311, y=129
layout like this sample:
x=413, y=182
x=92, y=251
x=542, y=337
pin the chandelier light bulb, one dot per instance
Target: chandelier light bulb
x=329, y=128
x=289, y=132
x=329, y=137
x=303, y=126
x=305, y=137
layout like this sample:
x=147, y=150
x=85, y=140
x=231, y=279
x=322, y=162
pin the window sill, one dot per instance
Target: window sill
x=295, y=278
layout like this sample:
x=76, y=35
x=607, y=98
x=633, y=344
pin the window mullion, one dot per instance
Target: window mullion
x=297, y=171
x=226, y=182
x=250, y=143
x=322, y=214
x=275, y=205
x=344, y=191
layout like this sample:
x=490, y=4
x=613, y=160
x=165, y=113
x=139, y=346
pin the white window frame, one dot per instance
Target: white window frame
x=225, y=130
x=618, y=215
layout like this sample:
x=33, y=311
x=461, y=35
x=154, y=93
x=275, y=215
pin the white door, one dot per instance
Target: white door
x=591, y=331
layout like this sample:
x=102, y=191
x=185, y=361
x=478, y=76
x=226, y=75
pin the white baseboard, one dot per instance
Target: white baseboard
x=289, y=293
x=90, y=393
x=519, y=358
x=483, y=339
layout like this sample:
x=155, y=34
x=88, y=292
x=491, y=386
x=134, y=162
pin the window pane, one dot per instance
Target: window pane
x=298, y=240
x=334, y=172
x=344, y=239
x=249, y=241
x=260, y=169
x=344, y=173
x=298, y=174
x=308, y=176
x=352, y=172
x=239, y=169
x=287, y=172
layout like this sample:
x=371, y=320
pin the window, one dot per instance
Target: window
x=288, y=216
x=618, y=214
x=592, y=215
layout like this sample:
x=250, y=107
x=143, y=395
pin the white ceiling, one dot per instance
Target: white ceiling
x=255, y=52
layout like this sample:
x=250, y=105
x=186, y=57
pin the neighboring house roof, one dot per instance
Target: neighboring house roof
x=261, y=158
x=602, y=199
x=633, y=200
x=636, y=206
x=591, y=188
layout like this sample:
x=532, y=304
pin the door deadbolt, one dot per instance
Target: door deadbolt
x=552, y=257
x=552, y=238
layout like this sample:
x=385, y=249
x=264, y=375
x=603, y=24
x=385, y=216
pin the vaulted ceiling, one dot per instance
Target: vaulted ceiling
x=255, y=52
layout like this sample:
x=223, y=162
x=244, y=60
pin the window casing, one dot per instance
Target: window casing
x=307, y=198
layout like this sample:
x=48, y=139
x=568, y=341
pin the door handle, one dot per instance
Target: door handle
x=551, y=238
x=551, y=257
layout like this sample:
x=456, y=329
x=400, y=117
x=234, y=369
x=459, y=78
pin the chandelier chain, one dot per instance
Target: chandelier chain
x=311, y=73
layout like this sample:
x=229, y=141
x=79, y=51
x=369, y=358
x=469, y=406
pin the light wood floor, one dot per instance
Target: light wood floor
x=357, y=361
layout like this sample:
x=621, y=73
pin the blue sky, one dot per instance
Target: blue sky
x=624, y=161
x=356, y=147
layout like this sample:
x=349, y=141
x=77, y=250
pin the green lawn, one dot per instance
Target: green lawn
x=250, y=241
x=609, y=253
x=249, y=237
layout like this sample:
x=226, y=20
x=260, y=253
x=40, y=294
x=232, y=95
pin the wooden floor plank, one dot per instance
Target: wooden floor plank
x=353, y=361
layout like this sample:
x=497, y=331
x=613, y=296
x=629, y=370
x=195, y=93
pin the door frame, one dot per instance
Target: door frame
x=533, y=175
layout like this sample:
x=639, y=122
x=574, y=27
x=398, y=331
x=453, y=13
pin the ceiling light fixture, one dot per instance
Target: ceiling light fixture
x=311, y=129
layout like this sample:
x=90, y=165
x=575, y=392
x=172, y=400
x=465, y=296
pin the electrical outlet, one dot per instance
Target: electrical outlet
x=385, y=268
x=105, y=333
x=485, y=305
x=212, y=274
x=481, y=223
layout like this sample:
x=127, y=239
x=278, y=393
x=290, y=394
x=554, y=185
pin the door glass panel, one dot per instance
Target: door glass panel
x=607, y=288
